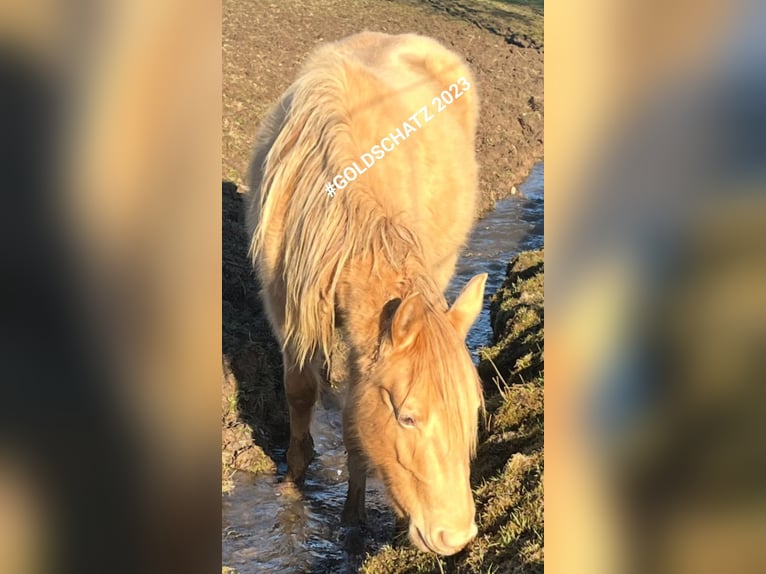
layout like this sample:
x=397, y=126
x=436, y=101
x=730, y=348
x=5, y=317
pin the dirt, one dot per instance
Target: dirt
x=264, y=44
x=253, y=411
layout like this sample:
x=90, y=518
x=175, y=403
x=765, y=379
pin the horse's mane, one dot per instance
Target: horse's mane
x=321, y=234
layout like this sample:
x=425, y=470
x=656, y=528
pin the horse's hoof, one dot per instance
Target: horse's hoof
x=295, y=478
x=299, y=456
x=296, y=468
x=287, y=489
x=353, y=540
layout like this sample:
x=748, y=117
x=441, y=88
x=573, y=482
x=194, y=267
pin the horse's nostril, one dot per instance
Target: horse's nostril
x=451, y=542
x=443, y=539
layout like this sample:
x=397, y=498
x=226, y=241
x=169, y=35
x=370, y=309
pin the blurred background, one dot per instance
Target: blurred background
x=656, y=297
x=110, y=258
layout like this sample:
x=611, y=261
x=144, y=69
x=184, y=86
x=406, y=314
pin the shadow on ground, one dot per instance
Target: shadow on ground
x=254, y=416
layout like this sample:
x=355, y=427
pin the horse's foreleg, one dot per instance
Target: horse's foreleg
x=354, y=511
x=354, y=514
x=301, y=392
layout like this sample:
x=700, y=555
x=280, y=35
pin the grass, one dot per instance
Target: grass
x=516, y=313
x=505, y=17
x=524, y=16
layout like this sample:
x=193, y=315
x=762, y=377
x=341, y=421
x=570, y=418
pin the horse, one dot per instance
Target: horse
x=368, y=265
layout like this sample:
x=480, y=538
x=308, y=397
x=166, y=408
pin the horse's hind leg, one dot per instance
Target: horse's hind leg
x=301, y=391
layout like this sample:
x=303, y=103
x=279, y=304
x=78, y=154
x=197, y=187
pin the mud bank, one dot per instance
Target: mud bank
x=253, y=411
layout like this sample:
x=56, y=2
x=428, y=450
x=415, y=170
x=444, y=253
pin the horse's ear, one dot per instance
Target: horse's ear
x=468, y=304
x=407, y=321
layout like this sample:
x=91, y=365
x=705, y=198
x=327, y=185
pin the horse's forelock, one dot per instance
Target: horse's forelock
x=442, y=370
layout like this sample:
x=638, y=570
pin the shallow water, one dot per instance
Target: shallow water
x=272, y=526
x=269, y=526
x=515, y=225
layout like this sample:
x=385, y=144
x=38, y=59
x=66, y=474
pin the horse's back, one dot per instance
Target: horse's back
x=385, y=81
x=429, y=180
x=415, y=68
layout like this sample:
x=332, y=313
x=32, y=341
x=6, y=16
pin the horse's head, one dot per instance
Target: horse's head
x=417, y=417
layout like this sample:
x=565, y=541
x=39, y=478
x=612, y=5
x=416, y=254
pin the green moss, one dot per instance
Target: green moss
x=521, y=408
x=511, y=516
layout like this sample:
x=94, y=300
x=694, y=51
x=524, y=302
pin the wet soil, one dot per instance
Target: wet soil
x=253, y=412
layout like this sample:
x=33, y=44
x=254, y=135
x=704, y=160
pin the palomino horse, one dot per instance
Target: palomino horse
x=370, y=263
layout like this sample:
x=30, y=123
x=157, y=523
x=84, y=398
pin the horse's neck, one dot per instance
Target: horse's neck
x=363, y=294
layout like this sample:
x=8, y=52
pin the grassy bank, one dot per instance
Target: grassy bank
x=507, y=474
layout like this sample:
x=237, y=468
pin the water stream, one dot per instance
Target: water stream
x=270, y=526
x=515, y=225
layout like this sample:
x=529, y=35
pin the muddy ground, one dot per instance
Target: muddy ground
x=253, y=411
x=264, y=44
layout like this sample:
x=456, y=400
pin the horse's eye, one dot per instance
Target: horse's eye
x=406, y=421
